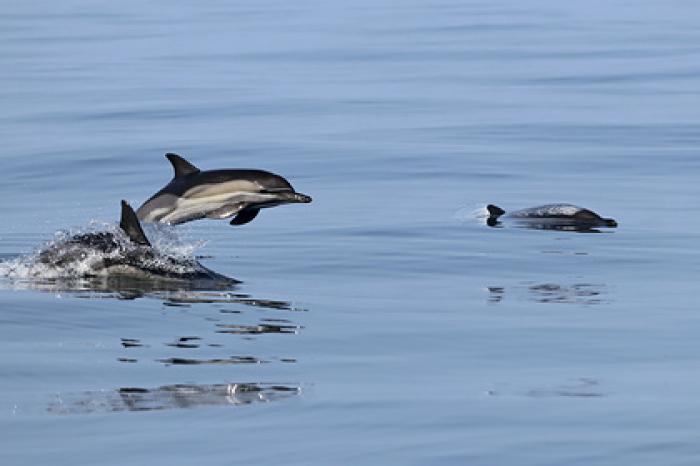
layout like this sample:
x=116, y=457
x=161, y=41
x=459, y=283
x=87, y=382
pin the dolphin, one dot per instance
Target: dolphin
x=551, y=217
x=126, y=252
x=193, y=194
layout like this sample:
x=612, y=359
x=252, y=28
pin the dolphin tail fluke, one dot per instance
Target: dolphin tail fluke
x=181, y=166
x=245, y=216
x=131, y=226
x=495, y=211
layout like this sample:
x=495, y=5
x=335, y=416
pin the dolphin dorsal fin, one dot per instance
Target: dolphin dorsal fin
x=131, y=226
x=181, y=166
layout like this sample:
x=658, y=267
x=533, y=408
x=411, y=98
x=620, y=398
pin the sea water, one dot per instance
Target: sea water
x=383, y=323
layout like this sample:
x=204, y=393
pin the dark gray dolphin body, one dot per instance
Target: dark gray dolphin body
x=551, y=217
x=193, y=194
x=124, y=253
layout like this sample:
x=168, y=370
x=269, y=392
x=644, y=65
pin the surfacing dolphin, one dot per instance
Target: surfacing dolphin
x=123, y=253
x=193, y=194
x=551, y=217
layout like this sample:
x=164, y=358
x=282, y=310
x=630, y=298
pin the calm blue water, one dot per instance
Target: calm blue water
x=401, y=329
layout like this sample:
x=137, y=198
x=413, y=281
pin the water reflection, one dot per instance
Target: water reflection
x=171, y=397
x=171, y=292
x=116, y=287
x=545, y=224
x=582, y=387
x=231, y=360
x=185, y=342
x=574, y=293
x=496, y=293
x=257, y=329
x=131, y=343
x=184, y=298
x=196, y=343
x=225, y=311
x=577, y=293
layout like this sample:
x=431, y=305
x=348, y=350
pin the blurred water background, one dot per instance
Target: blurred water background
x=381, y=324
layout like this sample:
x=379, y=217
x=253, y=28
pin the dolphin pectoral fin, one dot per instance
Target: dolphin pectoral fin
x=245, y=216
x=181, y=166
x=226, y=211
x=131, y=226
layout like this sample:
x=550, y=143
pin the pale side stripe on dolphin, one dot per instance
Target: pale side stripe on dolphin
x=193, y=194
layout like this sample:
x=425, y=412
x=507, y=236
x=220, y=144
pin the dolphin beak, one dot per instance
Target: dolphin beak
x=286, y=197
x=299, y=197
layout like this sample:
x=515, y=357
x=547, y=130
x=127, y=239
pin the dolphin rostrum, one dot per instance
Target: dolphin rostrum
x=193, y=194
x=122, y=253
x=551, y=217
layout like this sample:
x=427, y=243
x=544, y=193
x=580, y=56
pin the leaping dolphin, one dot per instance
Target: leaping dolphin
x=123, y=253
x=193, y=194
x=551, y=217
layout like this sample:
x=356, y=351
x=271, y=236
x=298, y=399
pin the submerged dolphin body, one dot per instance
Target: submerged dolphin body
x=193, y=194
x=551, y=217
x=123, y=253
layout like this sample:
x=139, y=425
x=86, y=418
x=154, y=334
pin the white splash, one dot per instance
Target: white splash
x=59, y=258
x=468, y=214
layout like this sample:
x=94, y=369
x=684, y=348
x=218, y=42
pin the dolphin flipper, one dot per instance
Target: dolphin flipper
x=131, y=226
x=181, y=166
x=245, y=216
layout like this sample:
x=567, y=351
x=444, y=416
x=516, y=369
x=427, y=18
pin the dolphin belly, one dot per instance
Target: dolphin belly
x=176, y=210
x=157, y=207
x=187, y=209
